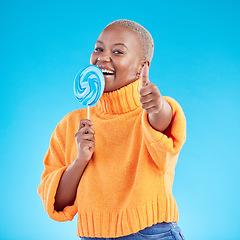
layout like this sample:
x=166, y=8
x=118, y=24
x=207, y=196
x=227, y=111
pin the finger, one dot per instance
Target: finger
x=151, y=110
x=85, y=143
x=150, y=89
x=148, y=105
x=147, y=98
x=83, y=131
x=88, y=137
x=84, y=122
x=86, y=129
x=88, y=145
x=145, y=90
x=145, y=73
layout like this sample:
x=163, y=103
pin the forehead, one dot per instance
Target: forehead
x=120, y=34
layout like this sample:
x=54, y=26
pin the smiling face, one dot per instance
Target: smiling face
x=118, y=53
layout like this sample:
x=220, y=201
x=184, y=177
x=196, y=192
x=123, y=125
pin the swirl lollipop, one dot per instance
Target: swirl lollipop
x=88, y=86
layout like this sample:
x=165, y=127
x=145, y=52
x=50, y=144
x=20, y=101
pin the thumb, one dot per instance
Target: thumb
x=145, y=73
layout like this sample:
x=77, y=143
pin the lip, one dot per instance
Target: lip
x=106, y=67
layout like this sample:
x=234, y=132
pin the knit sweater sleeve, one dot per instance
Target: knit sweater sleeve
x=172, y=139
x=54, y=166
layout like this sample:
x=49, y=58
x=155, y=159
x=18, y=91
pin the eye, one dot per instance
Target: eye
x=118, y=52
x=98, y=49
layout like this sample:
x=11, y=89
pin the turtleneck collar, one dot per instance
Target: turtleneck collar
x=120, y=101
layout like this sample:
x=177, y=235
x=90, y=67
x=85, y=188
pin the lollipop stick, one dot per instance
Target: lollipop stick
x=88, y=114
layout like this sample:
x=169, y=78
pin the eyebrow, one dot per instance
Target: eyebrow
x=116, y=44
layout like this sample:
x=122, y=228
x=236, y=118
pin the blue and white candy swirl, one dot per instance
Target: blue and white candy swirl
x=89, y=85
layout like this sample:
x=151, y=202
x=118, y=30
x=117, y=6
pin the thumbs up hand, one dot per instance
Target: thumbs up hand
x=151, y=98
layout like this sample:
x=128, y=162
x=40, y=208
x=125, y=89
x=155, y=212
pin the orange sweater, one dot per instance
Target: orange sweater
x=127, y=185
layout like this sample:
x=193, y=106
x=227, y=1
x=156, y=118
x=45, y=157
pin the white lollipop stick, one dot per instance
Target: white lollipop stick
x=88, y=113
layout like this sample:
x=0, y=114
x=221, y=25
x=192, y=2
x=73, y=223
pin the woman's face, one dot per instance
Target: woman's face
x=118, y=53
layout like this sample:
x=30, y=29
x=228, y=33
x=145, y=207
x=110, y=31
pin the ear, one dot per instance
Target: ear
x=141, y=67
x=146, y=62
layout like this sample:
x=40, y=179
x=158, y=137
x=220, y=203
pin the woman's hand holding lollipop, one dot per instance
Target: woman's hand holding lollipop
x=85, y=140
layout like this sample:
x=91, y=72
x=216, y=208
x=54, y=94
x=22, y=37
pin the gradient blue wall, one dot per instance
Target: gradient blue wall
x=197, y=61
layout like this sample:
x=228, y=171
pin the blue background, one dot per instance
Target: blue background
x=196, y=61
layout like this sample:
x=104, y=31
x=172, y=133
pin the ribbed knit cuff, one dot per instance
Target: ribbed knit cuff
x=173, y=138
x=47, y=191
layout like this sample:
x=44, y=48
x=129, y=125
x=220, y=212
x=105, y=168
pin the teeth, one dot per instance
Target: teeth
x=107, y=71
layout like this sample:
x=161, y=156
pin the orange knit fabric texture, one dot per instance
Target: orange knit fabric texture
x=127, y=185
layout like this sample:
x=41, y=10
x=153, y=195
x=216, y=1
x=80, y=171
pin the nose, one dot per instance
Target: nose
x=104, y=57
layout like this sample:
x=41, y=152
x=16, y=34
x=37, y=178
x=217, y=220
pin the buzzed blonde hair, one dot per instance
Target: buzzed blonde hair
x=143, y=34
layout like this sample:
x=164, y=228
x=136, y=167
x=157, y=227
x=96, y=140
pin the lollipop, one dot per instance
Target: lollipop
x=88, y=86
